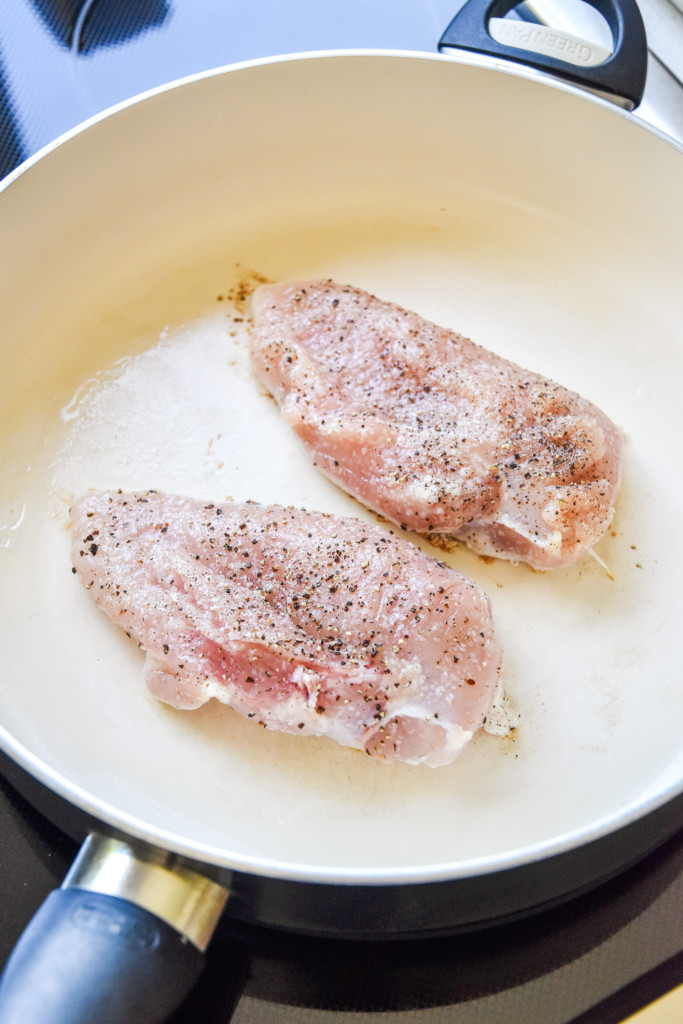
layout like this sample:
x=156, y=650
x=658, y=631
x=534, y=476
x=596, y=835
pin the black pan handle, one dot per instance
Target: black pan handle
x=90, y=956
x=621, y=77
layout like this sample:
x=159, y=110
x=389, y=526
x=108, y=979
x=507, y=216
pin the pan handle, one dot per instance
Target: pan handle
x=620, y=77
x=121, y=942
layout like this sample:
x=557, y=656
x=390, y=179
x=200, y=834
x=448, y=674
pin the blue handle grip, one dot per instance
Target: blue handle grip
x=91, y=958
x=621, y=76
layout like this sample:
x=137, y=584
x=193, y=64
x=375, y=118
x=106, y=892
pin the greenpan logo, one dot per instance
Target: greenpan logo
x=547, y=41
x=106, y=919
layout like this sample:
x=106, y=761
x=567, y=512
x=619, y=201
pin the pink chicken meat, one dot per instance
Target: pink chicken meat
x=433, y=431
x=302, y=621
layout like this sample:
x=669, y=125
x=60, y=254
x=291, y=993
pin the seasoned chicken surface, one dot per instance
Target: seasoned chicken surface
x=303, y=621
x=433, y=431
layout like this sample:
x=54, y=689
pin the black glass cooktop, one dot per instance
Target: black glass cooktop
x=593, y=960
x=62, y=61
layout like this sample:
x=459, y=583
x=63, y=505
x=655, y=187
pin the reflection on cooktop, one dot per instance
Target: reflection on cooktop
x=83, y=27
x=12, y=152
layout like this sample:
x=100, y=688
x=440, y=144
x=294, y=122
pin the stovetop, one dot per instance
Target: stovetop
x=594, y=960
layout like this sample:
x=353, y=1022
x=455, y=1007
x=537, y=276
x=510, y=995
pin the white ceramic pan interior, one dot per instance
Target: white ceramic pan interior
x=542, y=224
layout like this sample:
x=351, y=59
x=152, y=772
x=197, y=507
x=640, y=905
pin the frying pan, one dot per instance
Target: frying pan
x=543, y=223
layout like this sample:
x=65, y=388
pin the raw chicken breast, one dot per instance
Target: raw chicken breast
x=433, y=431
x=305, y=622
